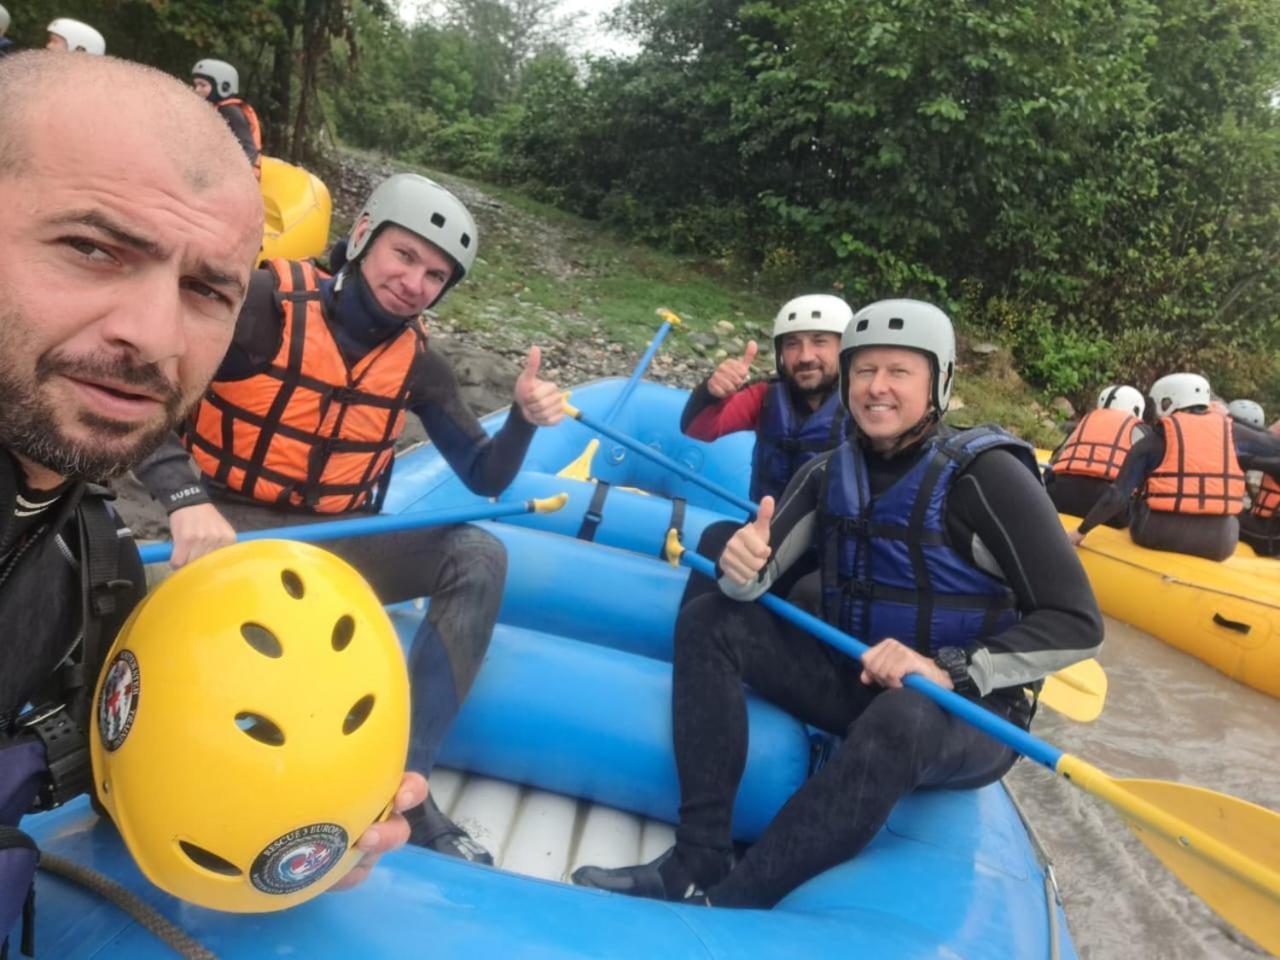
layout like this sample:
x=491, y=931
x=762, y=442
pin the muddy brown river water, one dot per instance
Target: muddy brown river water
x=1169, y=717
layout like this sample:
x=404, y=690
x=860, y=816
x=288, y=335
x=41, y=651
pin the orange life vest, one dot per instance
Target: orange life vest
x=1097, y=446
x=309, y=431
x=1266, y=502
x=255, y=128
x=1199, y=473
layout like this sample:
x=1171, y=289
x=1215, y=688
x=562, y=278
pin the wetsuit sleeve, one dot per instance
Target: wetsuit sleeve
x=171, y=477
x=706, y=418
x=791, y=533
x=259, y=331
x=1000, y=517
x=487, y=465
x=1256, y=449
x=239, y=125
x=1144, y=456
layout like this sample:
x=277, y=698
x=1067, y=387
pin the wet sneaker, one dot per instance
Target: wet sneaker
x=430, y=828
x=665, y=878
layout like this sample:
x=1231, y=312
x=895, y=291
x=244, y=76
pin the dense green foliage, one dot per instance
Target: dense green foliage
x=1094, y=180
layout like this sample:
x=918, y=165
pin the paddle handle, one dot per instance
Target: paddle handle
x=368, y=526
x=1007, y=733
x=661, y=459
x=668, y=320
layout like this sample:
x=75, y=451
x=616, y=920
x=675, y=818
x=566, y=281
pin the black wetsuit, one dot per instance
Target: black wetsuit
x=239, y=125
x=999, y=518
x=462, y=568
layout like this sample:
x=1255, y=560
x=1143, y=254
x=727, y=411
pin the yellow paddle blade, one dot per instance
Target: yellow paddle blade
x=1226, y=850
x=1254, y=908
x=1078, y=692
x=580, y=467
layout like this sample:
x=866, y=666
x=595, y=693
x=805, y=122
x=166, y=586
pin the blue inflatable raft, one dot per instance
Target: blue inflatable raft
x=562, y=756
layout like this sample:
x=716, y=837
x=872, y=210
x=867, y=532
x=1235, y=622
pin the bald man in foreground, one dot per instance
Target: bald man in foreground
x=129, y=232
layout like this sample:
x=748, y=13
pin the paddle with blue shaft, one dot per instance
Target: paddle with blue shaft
x=1226, y=850
x=646, y=451
x=579, y=468
x=386, y=523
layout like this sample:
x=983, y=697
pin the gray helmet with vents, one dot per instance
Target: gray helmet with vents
x=911, y=324
x=1247, y=411
x=422, y=207
x=1122, y=397
x=222, y=76
x=80, y=37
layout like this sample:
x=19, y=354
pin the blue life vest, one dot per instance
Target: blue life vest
x=785, y=442
x=888, y=569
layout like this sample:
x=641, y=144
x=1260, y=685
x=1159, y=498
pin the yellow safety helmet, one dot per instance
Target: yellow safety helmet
x=250, y=722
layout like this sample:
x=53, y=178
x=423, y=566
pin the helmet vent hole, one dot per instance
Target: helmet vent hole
x=862, y=325
x=260, y=728
x=343, y=631
x=292, y=584
x=358, y=714
x=895, y=323
x=437, y=220
x=262, y=640
x=815, y=315
x=466, y=240
x=209, y=861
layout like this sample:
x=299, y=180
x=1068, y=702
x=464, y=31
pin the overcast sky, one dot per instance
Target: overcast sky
x=594, y=38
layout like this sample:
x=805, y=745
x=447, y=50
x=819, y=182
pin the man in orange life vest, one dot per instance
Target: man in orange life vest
x=796, y=416
x=301, y=420
x=1089, y=460
x=219, y=83
x=1260, y=522
x=1189, y=480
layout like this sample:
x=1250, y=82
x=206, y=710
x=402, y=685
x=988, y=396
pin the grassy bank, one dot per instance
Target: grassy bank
x=549, y=277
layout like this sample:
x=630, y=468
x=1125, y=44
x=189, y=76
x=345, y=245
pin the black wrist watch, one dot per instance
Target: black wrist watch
x=955, y=660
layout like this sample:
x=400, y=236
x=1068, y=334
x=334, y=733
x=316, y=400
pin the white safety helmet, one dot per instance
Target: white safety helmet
x=813, y=312
x=79, y=36
x=222, y=76
x=1180, y=391
x=425, y=208
x=4, y=21
x=912, y=324
x=1122, y=397
x=1248, y=411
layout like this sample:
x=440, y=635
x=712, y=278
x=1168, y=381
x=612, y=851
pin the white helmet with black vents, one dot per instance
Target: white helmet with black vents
x=422, y=207
x=1180, y=391
x=222, y=76
x=1122, y=397
x=912, y=324
x=80, y=37
x=1248, y=411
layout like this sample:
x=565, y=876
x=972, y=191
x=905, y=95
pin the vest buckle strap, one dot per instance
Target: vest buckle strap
x=863, y=589
x=855, y=526
x=66, y=754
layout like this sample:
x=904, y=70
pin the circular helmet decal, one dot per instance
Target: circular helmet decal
x=118, y=701
x=299, y=858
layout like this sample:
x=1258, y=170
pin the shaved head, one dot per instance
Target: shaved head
x=131, y=224
x=115, y=99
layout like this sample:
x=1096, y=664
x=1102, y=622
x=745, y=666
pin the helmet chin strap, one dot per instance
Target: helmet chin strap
x=911, y=437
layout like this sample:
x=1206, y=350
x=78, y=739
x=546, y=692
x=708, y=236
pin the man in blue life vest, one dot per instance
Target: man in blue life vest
x=128, y=250
x=936, y=546
x=796, y=415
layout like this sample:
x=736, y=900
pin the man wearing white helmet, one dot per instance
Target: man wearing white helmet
x=1187, y=476
x=1260, y=449
x=314, y=390
x=6, y=45
x=941, y=551
x=796, y=415
x=75, y=36
x=1089, y=460
x=219, y=83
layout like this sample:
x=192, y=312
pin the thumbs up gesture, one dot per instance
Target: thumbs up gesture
x=732, y=373
x=539, y=400
x=747, y=551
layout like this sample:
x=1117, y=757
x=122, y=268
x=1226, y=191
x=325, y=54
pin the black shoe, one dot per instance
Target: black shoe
x=666, y=878
x=430, y=828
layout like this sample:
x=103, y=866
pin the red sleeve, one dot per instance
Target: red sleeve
x=739, y=411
